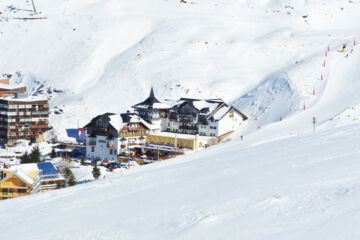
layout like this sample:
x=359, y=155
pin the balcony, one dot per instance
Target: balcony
x=188, y=127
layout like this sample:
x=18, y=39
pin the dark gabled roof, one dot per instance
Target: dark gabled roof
x=189, y=99
x=149, y=101
x=126, y=117
x=104, y=117
x=107, y=129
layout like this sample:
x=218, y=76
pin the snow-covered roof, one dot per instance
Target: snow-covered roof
x=12, y=83
x=161, y=106
x=179, y=135
x=9, y=87
x=223, y=110
x=22, y=175
x=137, y=119
x=27, y=99
x=116, y=121
x=27, y=167
x=206, y=104
x=220, y=113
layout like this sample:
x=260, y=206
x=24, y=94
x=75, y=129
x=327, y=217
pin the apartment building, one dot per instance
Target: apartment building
x=23, y=118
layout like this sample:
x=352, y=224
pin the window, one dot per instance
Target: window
x=92, y=149
x=5, y=190
x=11, y=190
x=21, y=190
x=111, y=151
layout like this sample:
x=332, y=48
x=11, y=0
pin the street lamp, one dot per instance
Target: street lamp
x=33, y=5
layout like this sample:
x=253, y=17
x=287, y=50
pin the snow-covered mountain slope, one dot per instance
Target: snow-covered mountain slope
x=281, y=182
x=298, y=187
x=107, y=54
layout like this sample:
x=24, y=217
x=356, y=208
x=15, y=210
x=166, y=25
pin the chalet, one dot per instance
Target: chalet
x=151, y=110
x=133, y=132
x=210, y=117
x=18, y=182
x=102, y=137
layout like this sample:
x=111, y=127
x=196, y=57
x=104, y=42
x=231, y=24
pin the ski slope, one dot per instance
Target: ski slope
x=298, y=187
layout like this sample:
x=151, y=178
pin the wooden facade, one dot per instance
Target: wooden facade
x=133, y=134
x=13, y=184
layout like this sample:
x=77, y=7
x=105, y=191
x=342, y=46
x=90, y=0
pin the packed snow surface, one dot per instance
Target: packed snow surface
x=297, y=187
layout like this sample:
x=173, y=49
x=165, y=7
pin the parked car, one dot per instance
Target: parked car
x=61, y=146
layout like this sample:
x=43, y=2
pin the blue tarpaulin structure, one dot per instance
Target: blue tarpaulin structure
x=75, y=133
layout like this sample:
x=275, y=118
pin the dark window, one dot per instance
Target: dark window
x=21, y=190
x=111, y=151
x=11, y=190
x=92, y=149
x=51, y=182
x=5, y=190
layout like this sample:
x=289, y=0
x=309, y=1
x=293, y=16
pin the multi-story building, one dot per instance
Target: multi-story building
x=151, y=110
x=102, y=137
x=133, y=132
x=210, y=117
x=23, y=118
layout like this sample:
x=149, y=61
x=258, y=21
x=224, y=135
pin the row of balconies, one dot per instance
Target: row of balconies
x=27, y=109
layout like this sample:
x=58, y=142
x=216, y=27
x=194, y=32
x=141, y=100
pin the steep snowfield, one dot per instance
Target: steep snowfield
x=299, y=187
x=107, y=54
